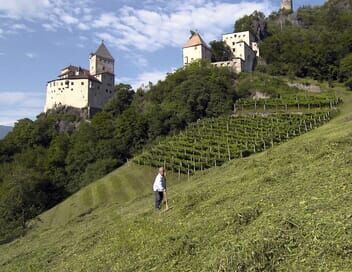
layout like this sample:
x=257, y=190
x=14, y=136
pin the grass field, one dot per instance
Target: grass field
x=124, y=184
x=286, y=209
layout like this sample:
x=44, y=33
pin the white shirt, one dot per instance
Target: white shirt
x=159, y=183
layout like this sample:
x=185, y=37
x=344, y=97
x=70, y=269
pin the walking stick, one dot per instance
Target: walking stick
x=166, y=201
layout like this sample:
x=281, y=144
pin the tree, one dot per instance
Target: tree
x=220, y=51
x=255, y=23
x=346, y=67
x=121, y=99
x=25, y=196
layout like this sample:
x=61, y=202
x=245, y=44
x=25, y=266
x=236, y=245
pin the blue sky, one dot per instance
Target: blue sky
x=39, y=37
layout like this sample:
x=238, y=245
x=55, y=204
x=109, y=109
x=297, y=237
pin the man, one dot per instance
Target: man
x=159, y=187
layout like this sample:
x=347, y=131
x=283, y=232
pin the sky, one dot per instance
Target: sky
x=40, y=37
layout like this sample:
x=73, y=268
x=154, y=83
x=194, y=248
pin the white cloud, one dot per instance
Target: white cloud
x=18, y=105
x=143, y=79
x=20, y=27
x=153, y=25
x=68, y=19
x=150, y=30
x=30, y=55
x=25, y=8
x=51, y=14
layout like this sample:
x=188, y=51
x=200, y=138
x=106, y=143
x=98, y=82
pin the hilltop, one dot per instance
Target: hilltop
x=287, y=208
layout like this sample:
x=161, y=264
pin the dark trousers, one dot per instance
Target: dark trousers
x=158, y=199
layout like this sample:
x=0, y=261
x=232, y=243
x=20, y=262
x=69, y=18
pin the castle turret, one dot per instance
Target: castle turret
x=287, y=5
x=195, y=49
x=101, y=61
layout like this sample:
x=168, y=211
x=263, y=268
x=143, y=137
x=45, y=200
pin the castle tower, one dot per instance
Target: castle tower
x=195, y=49
x=287, y=5
x=101, y=61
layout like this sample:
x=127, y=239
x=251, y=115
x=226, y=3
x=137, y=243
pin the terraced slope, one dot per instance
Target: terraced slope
x=258, y=126
x=124, y=184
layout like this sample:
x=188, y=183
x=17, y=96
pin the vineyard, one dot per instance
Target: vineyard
x=298, y=102
x=212, y=142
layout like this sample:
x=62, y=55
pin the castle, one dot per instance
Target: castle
x=286, y=5
x=243, y=47
x=84, y=89
x=90, y=89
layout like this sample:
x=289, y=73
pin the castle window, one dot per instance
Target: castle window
x=233, y=43
x=106, y=90
x=71, y=89
x=82, y=83
x=234, y=50
x=195, y=48
x=72, y=83
x=62, y=83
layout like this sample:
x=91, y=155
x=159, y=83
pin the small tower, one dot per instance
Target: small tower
x=195, y=49
x=101, y=61
x=287, y=5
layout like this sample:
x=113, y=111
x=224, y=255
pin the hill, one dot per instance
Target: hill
x=4, y=130
x=44, y=161
x=287, y=208
x=122, y=185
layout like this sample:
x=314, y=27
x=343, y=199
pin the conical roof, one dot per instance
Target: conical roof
x=103, y=52
x=195, y=40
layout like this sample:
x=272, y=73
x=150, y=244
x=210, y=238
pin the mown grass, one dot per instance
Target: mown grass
x=122, y=185
x=286, y=209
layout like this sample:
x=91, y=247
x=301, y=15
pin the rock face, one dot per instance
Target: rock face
x=260, y=95
x=72, y=118
x=306, y=87
x=259, y=26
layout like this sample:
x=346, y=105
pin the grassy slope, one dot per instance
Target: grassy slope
x=288, y=208
x=122, y=185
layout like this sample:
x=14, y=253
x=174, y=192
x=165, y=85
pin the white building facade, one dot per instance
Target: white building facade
x=242, y=44
x=195, y=48
x=83, y=89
